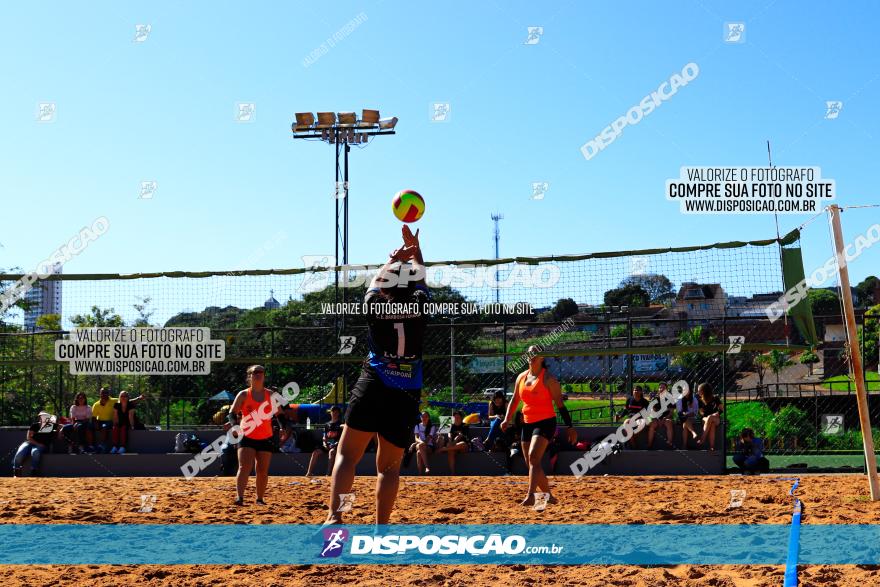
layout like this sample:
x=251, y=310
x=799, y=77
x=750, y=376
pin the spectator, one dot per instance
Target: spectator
x=458, y=439
x=497, y=410
x=78, y=432
x=508, y=442
x=287, y=436
x=123, y=422
x=687, y=408
x=631, y=412
x=102, y=417
x=710, y=410
x=329, y=442
x=40, y=436
x=425, y=436
x=749, y=453
x=664, y=419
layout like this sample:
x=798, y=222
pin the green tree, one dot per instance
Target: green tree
x=760, y=363
x=49, y=322
x=870, y=333
x=866, y=291
x=777, y=361
x=693, y=362
x=824, y=302
x=628, y=295
x=564, y=308
x=808, y=358
x=144, y=312
x=98, y=317
x=656, y=285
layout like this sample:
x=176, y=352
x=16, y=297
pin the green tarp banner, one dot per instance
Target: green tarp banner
x=801, y=313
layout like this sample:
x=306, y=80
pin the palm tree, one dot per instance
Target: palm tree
x=777, y=361
x=760, y=363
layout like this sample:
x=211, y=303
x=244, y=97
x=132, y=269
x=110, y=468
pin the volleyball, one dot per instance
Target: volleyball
x=408, y=205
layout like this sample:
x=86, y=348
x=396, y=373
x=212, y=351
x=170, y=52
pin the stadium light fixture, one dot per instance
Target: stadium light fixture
x=347, y=119
x=304, y=121
x=388, y=123
x=369, y=119
x=326, y=120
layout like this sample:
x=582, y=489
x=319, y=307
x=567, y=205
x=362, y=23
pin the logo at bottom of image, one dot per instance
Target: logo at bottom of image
x=492, y=544
x=334, y=540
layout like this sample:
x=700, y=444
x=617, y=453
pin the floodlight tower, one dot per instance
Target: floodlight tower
x=495, y=218
x=341, y=131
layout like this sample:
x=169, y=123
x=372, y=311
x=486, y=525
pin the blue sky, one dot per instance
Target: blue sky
x=163, y=110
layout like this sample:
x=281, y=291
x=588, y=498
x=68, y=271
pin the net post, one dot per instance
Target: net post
x=629, y=344
x=724, y=390
x=854, y=353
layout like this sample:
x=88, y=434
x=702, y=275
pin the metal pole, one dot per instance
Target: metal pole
x=452, y=355
x=629, y=358
x=606, y=372
x=504, y=349
x=855, y=354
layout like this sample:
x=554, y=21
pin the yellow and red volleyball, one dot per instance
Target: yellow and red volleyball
x=408, y=205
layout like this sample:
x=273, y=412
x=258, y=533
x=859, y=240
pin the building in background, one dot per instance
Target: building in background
x=43, y=298
x=271, y=303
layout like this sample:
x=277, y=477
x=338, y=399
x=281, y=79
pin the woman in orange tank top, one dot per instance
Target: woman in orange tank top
x=538, y=390
x=254, y=408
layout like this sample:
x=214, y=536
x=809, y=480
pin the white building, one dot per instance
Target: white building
x=44, y=298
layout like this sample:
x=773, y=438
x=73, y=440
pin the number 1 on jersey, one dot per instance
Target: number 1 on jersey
x=401, y=338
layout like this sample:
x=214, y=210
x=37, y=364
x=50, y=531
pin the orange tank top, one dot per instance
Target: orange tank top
x=536, y=399
x=252, y=408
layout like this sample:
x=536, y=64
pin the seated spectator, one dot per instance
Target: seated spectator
x=287, y=436
x=123, y=422
x=78, y=432
x=40, y=436
x=564, y=439
x=634, y=404
x=749, y=453
x=497, y=411
x=509, y=443
x=710, y=410
x=329, y=442
x=687, y=407
x=425, y=438
x=664, y=419
x=457, y=440
x=102, y=418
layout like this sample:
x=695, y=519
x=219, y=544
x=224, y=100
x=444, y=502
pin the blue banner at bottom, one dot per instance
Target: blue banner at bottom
x=564, y=544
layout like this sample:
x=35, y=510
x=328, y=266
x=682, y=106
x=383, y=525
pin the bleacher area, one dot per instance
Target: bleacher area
x=150, y=454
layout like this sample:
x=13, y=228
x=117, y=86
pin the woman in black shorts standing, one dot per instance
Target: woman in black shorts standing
x=538, y=391
x=256, y=445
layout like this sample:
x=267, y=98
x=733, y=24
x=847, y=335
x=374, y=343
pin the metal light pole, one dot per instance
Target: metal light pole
x=342, y=131
x=495, y=219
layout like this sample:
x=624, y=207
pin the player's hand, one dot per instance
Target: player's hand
x=403, y=253
x=505, y=425
x=410, y=239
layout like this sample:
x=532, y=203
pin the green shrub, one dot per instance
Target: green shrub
x=754, y=415
x=848, y=440
x=791, y=422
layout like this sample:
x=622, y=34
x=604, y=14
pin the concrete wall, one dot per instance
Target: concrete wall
x=151, y=455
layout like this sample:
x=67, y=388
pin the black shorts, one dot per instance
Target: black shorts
x=545, y=428
x=264, y=445
x=391, y=412
x=327, y=448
